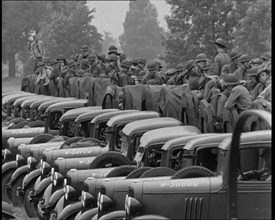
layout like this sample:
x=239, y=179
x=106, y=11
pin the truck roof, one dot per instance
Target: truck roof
x=12, y=97
x=248, y=137
x=164, y=134
x=67, y=104
x=122, y=119
x=149, y=124
x=30, y=100
x=90, y=115
x=46, y=103
x=107, y=116
x=74, y=113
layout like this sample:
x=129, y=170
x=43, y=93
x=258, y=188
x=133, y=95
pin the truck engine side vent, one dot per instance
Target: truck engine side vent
x=193, y=208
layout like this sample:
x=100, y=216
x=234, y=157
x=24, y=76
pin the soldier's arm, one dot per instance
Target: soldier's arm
x=224, y=71
x=216, y=66
x=232, y=100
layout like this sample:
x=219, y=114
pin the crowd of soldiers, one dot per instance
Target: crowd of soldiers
x=239, y=79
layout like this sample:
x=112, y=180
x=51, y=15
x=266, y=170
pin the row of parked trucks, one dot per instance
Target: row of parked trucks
x=62, y=159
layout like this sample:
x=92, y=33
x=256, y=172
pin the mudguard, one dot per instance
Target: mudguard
x=57, y=195
x=22, y=132
x=42, y=185
x=7, y=209
x=59, y=206
x=21, y=171
x=89, y=214
x=31, y=177
x=38, y=180
x=120, y=214
x=70, y=210
x=8, y=166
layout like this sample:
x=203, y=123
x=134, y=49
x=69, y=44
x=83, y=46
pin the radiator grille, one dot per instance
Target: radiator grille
x=193, y=208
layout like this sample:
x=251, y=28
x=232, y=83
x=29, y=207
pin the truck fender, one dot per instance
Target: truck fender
x=57, y=195
x=31, y=177
x=21, y=171
x=89, y=214
x=59, y=206
x=7, y=211
x=114, y=215
x=8, y=166
x=70, y=210
x=42, y=185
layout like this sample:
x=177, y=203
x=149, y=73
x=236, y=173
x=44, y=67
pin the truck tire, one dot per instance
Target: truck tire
x=17, y=201
x=158, y=171
x=109, y=159
x=123, y=170
x=5, y=180
x=29, y=207
x=21, y=124
x=137, y=172
x=193, y=171
x=69, y=141
x=35, y=124
x=41, y=138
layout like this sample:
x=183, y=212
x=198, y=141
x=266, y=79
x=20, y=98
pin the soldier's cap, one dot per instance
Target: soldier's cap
x=266, y=55
x=244, y=58
x=189, y=65
x=101, y=57
x=142, y=60
x=122, y=56
x=113, y=49
x=85, y=61
x=159, y=64
x=231, y=79
x=53, y=61
x=126, y=63
x=60, y=57
x=170, y=72
x=152, y=82
x=112, y=57
x=85, y=47
x=80, y=72
x=70, y=63
x=40, y=64
x=141, y=73
x=200, y=57
x=152, y=66
x=220, y=42
x=179, y=67
x=134, y=61
x=235, y=54
x=46, y=60
x=253, y=71
x=91, y=57
x=259, y=71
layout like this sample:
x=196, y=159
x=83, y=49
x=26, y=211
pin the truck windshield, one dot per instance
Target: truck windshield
x=68, y=128
x=83, y=129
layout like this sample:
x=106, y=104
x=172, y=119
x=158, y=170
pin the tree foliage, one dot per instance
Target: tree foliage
x=253, y=33
x=142, y=34
x=194, y=25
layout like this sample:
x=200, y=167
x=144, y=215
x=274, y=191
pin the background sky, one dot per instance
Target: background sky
x=110, y=15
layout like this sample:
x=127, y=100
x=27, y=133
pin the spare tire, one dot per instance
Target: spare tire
x=69, y=141
x=158, y=171
x=35, y=124
x=109, y=159
x=41, y=138
x=137, y=172
x=123, y=170
x=193, y=171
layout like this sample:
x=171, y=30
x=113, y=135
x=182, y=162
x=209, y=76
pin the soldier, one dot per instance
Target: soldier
x=190, y=75
x=95, y=69
x=85, y=65
x=200, y=61
x=262, y=78
x=266, y=58
x=160, y=73
x=152, y=78
x=140, y=66
x=251, y=84
x=176, y=72
x=42, y=79
x=100, y=61
x=170, y=73
x=265, y=98
x=113, y=50
x=112, y=67
x=242, y=71
x=122, y=57
x=233, y=65
x=221, y=58
x=53, y=79
x=37, y=50
x=62, y=62
x=123, y=78
x=84, y=53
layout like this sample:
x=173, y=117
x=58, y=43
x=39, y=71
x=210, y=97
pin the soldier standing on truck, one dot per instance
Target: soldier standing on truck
x=37, y=50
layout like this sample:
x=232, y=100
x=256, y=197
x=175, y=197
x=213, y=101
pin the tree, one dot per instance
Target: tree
x=253, y=33
x=67, y=28
x=194, y=25
x=142, y=34
x=108, y=41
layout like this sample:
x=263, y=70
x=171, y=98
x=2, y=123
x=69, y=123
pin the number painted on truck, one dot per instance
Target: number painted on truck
x=79, y=152
x=179, y=184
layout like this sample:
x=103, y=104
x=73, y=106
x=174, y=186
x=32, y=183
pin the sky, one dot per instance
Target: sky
x=110, y=15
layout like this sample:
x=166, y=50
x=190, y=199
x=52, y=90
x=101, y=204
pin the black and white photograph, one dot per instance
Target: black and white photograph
x=136, y=109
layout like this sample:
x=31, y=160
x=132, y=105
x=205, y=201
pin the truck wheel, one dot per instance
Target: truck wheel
x=123, y=170
x=20, y=124
x=109, y=159
x=30, y=210
x=69, y=141
x=41, y=138
x=144, y=217
x=5, y=180
x=17, y=201
x=158, y=171
x=137, y=172
x=35, y=124
x=193, y=171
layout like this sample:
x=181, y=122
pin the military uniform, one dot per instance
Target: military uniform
x=152, y=78
x=221, y=58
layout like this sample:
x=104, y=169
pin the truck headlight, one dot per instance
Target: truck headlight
x=7, y=154
x=31, y=162
x=105, y=203
x=132, y=206
x=52, y=173
x=19, y=160
x=57, y=179
x=69, y=191
x=45, y=168
x=86, y=199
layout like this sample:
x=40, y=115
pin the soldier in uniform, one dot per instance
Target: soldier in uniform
x=262, y=78
x=123, y=78
x=140, y=66
x=233, y=65
x=37, y=50
x=122, y=57
x=244, y=66
x=221, y=58
x=112, y=67
x=84, y=53
x=174, y=80
x=201, y=60
x=251, y=83
x=85, y=65
x=160, y=73
x=42, y=79
x=95, y=69
x=152, y=78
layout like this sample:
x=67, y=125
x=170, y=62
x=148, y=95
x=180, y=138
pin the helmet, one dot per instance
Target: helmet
x=231, y=79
